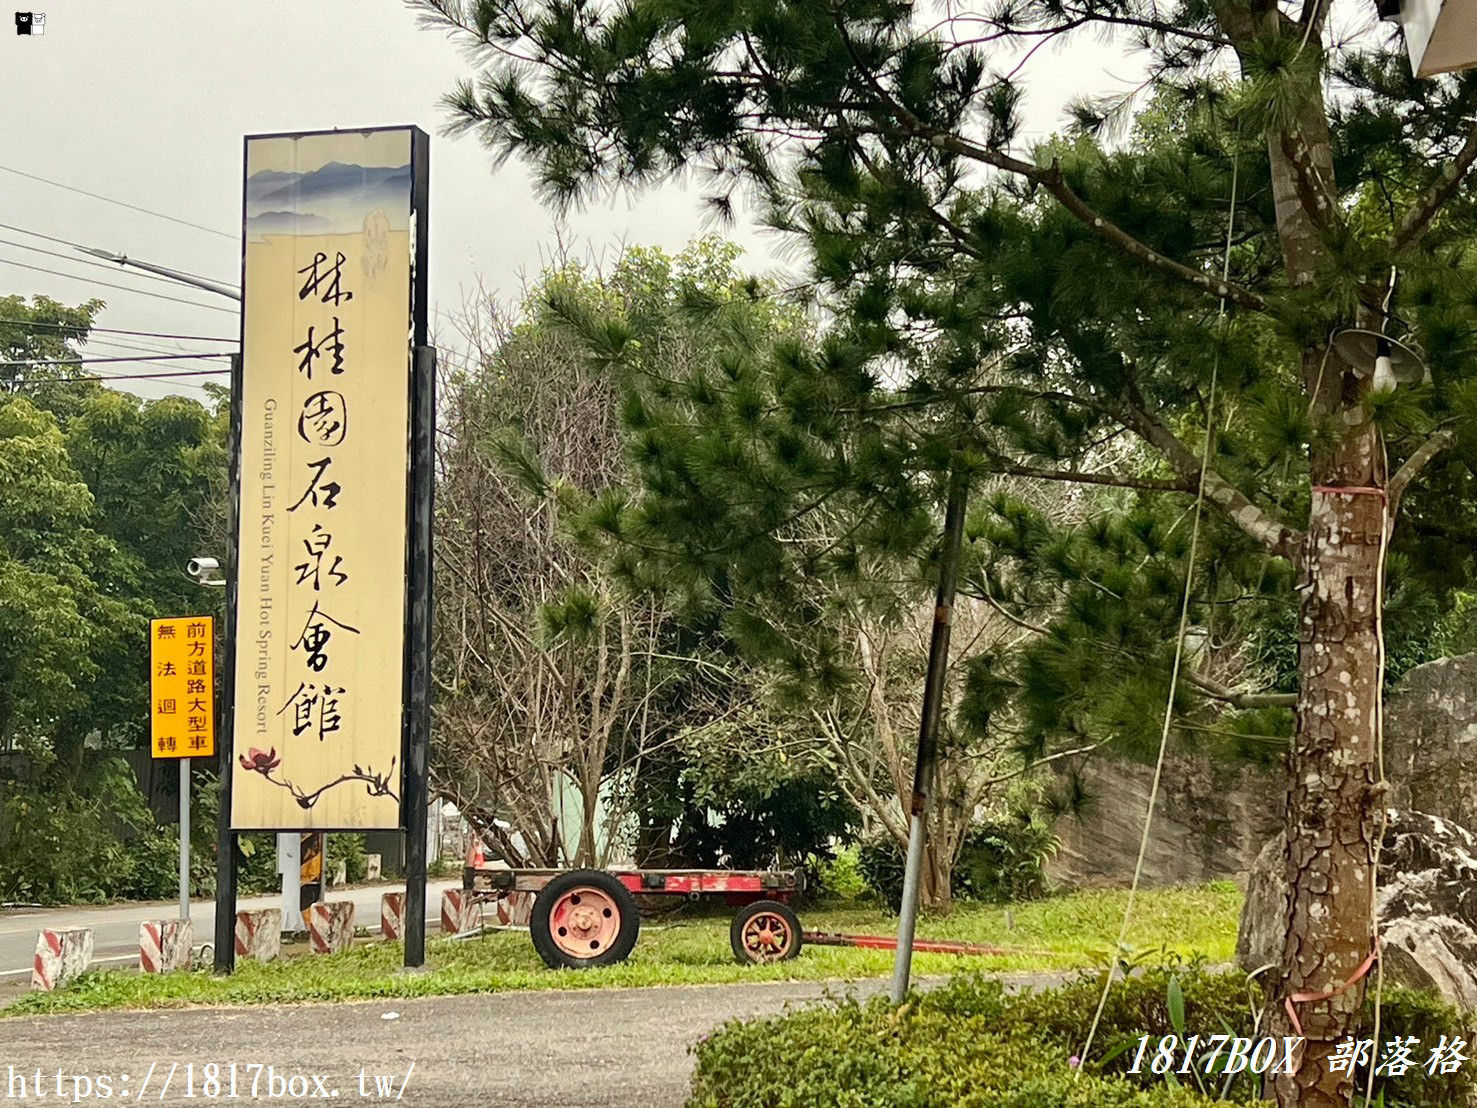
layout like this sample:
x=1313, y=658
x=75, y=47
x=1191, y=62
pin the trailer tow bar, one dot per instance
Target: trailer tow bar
x=922, y=946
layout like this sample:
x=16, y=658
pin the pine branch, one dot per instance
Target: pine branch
x=1051, y=179
x=1216, y=691
x=1418, y=219
x=1115, y=480
x=1418, y=461
x=1276, y=537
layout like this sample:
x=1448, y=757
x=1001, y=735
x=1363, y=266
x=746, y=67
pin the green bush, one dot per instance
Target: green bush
x=82, y=838
x=838, y=878
x=972, y=1044
x=999, y=862
x=348, y=849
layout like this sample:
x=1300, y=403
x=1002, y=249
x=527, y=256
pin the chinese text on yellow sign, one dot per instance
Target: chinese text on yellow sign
x=182, y=686
x=321, y=583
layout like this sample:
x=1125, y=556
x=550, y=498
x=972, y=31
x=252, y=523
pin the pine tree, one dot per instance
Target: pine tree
x=1030, y=312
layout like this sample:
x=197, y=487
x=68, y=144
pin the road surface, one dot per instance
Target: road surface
x=115, y=928
x=594, y=1048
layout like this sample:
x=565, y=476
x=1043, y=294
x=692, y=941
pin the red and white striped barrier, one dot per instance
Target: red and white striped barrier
x=514, y=909
x=259, y=934
x=392, y=916
x=164, y=945
x=60, y=957
x=459, y=912
x=330, y=925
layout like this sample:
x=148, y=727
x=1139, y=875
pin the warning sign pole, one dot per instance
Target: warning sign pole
x=184, y=838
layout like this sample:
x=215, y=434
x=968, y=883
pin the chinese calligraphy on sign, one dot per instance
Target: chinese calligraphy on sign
x=321, y=587
x=182, y=687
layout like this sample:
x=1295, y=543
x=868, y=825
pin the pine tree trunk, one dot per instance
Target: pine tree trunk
x=1332, y=805
x=1332, y=802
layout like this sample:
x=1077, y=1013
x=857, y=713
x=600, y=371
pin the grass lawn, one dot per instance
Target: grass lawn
x=1063, y=932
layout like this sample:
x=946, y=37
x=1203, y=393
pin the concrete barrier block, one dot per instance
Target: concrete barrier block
x=164, y=945
x=373, y=867
x=259, y=934
x=514, y=909
x=330, y=925
x=61, y=956
x=392, y=916
x=459, y=912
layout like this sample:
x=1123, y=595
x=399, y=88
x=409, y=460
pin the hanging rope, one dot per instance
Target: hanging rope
x=1179, y=642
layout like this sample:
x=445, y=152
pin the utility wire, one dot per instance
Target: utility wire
x=1184, y=622
x=120, y=203
x=126, y=376
x=99, y=361
x=121, y=377
x=113, y=330
x=80, y=246
x=125, y=288
x=107, y=345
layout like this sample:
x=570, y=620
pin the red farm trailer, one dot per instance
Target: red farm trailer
x=589, y=917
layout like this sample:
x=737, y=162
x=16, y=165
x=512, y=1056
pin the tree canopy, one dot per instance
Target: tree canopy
x=1156, y=313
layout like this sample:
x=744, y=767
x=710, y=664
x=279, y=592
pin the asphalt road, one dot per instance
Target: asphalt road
x=595, y=1048
x=115, y=928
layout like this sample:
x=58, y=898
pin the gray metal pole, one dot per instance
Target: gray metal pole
x=289, y=865
x=184, y=838
x=933, y=694
x=165, y=271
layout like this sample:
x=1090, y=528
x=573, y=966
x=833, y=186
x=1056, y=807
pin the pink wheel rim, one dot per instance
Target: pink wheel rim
x=584, y=922
x=767, y=937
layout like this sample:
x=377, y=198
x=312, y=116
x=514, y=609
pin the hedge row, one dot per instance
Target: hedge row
x=971, y=1044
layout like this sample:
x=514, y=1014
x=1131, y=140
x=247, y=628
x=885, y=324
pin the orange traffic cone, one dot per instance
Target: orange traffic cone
x=476, y=854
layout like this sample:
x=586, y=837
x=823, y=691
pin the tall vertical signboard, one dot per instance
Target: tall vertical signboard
x=327, y=727
x=322, y=585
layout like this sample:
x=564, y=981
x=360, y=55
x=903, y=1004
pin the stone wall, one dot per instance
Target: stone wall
x=1431, y=741
x=1214, y=816
x=1212, y=819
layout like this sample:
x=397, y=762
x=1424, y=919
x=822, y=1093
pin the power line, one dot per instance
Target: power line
x=112, y=330
x=113, y=344
x=127, y=376
x=125, y=288
x=99, y=361
x=101, y=376
x=122, y=377
x=79, y=246
x=120, y=203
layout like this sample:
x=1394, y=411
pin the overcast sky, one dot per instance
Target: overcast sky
x=146, y=102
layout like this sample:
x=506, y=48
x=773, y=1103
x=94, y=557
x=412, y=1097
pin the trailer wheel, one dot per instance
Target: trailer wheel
x=584, y=918
x=765, y=931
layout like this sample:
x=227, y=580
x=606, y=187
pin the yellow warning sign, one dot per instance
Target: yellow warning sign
x=182, y=686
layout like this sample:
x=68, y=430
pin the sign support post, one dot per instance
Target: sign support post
x=225, y=850
x=184, y=838
x=420, y=522
x=418, y=729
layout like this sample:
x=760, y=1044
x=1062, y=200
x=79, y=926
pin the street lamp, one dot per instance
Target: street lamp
x=1440, y=35
x=164, y=271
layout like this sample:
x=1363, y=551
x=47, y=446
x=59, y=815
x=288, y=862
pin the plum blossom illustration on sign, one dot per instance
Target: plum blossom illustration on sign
x=266, y=763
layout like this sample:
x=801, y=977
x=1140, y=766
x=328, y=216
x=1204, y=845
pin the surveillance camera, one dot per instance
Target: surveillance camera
x=201, y=568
